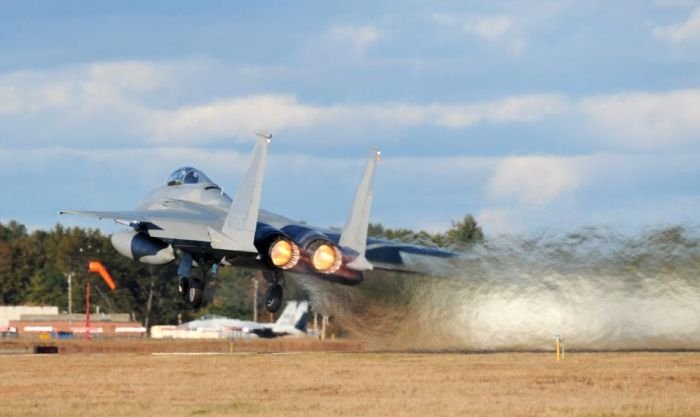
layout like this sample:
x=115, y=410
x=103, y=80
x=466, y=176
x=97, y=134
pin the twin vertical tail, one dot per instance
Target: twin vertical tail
x=354, y=235
x=238, y=231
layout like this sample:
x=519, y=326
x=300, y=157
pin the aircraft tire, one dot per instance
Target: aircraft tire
x=195, y=292
x=183, y=287
x=273, y=298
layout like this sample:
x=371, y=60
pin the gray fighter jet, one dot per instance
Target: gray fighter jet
x=190, y=219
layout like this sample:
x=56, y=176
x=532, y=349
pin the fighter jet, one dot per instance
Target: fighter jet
x=292, y=322
x=192, y=221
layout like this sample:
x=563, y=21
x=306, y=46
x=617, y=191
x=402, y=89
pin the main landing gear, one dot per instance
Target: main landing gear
x=195, y=292
x=191, y=289
x=274, y=293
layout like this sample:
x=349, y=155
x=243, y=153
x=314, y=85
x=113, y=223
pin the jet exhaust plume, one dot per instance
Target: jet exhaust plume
x=596, y=288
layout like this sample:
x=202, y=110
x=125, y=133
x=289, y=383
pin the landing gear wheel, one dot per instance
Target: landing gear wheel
x=183, y=287
x=273, y=298
x=195, y=293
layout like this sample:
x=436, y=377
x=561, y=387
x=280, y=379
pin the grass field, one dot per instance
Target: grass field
x=350, y=384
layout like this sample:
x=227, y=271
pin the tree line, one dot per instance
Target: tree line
x=34, y=270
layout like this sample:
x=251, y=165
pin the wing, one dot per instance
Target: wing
x=402, y=257
x=169, y=224
x=143, y=216
x=231, y=231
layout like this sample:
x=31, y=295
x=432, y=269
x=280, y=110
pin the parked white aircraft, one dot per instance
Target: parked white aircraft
x=292, y=322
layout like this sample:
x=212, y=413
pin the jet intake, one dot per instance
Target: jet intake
x=276, y=248
x=143, y=248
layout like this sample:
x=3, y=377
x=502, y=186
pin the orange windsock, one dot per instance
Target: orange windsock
x=98, y=268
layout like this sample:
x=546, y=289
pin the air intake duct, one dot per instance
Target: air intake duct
x=143, y=248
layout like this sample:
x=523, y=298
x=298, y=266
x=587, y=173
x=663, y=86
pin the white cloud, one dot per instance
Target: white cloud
x=533, y=180
x=233, y=117
x=445, y=19
x=130, y=99
x=133, y=162
x=516, y=109
x=130, y=102
x=87, y=103
x=687, y=31
x=497, y=29
x=128, y=76
x=358, y=37
x=511, y=109
x=647, y=120
x=497, y=220
x=10, y=103
x=528, y=192
x=489, y=27
x=95, y=85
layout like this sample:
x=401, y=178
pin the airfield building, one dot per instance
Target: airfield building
x=22, y=321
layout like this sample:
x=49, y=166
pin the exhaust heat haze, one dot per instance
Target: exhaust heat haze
x=597, y=289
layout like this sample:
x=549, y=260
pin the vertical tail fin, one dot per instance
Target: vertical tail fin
x=295, y=314
x=354, y=235
x=238, y=231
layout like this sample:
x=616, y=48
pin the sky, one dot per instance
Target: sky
x=530, y=115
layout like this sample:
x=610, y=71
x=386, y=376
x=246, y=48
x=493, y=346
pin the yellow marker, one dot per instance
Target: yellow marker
x=558, y=343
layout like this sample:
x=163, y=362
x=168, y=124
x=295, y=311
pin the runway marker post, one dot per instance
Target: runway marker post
x=557, y=340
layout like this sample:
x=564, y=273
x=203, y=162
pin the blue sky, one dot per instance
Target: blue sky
x=531, y=115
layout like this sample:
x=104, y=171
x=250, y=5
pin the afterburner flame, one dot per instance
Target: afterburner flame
x=326, y=258
x=284, y=254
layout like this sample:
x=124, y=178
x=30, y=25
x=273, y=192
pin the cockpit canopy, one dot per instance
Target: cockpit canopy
x=188, y=175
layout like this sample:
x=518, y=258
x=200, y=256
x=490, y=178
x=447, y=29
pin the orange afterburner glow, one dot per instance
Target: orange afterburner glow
x=284, y=254
x=326, y=258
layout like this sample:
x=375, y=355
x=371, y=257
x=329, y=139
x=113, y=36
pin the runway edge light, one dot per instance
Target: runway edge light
x=559, y=345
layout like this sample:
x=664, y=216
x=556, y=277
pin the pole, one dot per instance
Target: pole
x=87, y=311
x=70, y=298
x=255, y=299
x=562, y=349
x=149, y=304
x=558, y=342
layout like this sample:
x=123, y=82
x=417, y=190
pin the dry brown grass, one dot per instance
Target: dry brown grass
x=351, y=384
x=183, y=345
